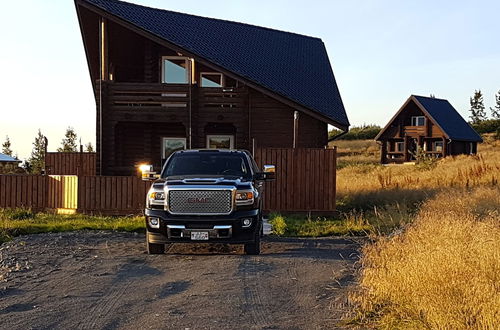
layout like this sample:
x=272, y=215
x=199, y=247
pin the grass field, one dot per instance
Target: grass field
x=16, y=222
x=435, y=263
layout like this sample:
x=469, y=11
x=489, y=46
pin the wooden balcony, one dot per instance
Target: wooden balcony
x=146, y=97
x=415, y=131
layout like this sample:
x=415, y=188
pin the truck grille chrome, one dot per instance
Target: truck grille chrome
x=200, y=201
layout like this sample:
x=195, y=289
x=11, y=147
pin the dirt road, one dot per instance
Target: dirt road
x=104, y=280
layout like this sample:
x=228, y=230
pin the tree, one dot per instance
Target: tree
x=495, y=111
x=36, y=161
x=89, y=147
x=6, y=147
x=477, y=107
x=68, y=144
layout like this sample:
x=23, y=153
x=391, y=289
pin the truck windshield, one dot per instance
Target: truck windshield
x=217, y=164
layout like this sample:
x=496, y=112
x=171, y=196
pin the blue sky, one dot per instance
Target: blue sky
x=381, y=52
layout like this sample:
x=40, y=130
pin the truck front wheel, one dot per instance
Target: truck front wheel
x=254, y=247
x=154, y=248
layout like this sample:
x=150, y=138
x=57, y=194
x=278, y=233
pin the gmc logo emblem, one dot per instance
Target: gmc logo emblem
x=198, y=200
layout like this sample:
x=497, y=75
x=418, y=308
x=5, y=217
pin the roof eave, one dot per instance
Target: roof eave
x=312, y=112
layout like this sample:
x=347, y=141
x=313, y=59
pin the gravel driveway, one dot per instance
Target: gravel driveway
x=104, y=280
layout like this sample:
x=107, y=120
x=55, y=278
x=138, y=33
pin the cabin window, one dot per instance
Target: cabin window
x=400, y=146
x=171, y=145
x=220, y=141
x=175, y=70
x=418, y=121
x=211, y=79
x=438, y=146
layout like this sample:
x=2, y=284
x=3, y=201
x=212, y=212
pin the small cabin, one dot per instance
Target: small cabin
x=165, y=81
x=429, y=124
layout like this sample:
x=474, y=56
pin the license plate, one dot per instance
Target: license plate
x=199, y=235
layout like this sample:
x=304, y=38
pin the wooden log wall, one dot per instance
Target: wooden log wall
x=305, y=179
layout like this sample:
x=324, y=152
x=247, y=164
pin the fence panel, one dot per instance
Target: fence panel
x=112, y=195
x=28, y=191
x=70, y=163
x=305, y=179
x=62, y=192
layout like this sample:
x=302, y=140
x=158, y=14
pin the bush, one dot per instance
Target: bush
x=278, y=223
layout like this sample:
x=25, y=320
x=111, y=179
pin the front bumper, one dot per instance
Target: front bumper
x=221, y=229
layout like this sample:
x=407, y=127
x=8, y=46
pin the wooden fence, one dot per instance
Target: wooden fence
x=29, y=191
x=70, y=193
x=305, y=179
x=111, y=195
x=305, y=182
x=70, y=163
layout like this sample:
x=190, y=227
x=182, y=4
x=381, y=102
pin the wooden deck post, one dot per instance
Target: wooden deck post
x=405, y=150
x=445, y=147
x=383, y=152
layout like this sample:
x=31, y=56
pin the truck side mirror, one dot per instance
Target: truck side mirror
x=268, y=174
x=147, y=173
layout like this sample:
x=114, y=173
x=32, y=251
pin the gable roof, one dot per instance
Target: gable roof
x=290, y=65
x=444, y=115
x=8, y=159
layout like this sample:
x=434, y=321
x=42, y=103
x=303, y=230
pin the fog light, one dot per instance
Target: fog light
x=247, y=222
x=154, y=222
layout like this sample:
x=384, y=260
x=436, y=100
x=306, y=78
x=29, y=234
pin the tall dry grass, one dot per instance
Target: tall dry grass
x=443, y=270
x=366, y=186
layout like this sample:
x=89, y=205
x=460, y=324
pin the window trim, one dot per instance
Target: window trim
x=416, y=121
x=230, y=136
x=397, y=143
x=222, y=79
x=434, y=146
x=171, y=138
x=189, y=64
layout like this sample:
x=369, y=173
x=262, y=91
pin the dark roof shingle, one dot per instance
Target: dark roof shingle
x=448, y=119
x=291, y=65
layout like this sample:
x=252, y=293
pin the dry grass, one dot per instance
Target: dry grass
x=366, y=186
x=442, y=271
x=356, y=152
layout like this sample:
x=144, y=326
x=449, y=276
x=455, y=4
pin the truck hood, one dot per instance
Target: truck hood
x=200, y=180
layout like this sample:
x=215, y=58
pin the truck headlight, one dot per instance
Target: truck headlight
x=157, y=195
x=244, y=197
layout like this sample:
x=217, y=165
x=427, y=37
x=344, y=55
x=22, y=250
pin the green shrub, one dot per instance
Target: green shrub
x=278, y=223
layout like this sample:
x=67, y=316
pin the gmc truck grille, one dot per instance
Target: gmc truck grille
x=200, y=202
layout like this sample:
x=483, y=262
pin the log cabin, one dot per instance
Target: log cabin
x=428, y=123
x=165, y=81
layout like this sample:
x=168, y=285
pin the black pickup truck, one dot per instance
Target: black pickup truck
x=212, y=196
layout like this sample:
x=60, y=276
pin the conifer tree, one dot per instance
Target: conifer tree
x=68, y=144
x=89, y=147
x=6, y=147
x=495, y=111
x=478, y=113
x=36, y=160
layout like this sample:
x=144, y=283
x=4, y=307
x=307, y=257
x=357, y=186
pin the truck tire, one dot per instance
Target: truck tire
x=154, y=248
x=254, y=247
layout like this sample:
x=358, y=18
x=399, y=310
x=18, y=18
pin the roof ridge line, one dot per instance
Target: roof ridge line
x=214, y=19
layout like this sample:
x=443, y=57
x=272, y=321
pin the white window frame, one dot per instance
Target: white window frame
x=397, y=143
x=414, y=120
x=189, y=65
x=222, y=80
x=183, y=139
x=231, y=139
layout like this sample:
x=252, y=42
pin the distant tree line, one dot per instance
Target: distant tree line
x=363, y=132
x=479, y=119
x=36, y=161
